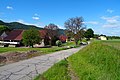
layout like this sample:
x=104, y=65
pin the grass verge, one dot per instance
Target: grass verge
x=43, y=50
x=57, y=72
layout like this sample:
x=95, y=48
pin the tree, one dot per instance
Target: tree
x=52, y=32
x=76, y=38
x=31, y=37
x=89, y=33
x=75, y=26
x=96, y=36
x=3, y=28
x=46, y=40
x=51, y=26
x=69, y=34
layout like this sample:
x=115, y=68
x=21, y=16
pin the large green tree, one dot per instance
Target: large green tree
x=89, y=33
x=75, y=26
x=31, y=37
x=3, y=28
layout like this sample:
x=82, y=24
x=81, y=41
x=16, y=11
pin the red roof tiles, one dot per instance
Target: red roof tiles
x=63, y=38
x=15, y=35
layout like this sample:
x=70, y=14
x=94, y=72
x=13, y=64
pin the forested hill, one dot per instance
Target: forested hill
x=17, y=25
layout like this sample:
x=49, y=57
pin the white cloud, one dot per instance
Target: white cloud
x=9, y=7
x=111, y=25
x=110, y=10
x=35, y=18
x=111, y=19
x=61, y=27
x=112, y=22
x=91, y=22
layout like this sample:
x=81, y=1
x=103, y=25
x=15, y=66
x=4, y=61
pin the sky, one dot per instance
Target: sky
x=103, y=16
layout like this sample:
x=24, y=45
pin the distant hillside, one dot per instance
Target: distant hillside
x=17, y=25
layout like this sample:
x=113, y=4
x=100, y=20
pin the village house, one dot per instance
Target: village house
x=14, y=38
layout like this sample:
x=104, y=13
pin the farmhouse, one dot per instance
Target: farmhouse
x=13, y=39
x=103, y=37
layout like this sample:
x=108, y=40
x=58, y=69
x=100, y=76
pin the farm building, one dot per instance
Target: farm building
x=102, y=37
x=14, y=38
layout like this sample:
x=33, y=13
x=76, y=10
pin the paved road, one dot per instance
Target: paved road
x=28, y=69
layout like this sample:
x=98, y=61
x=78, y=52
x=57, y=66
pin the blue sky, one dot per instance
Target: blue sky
x=103, y=16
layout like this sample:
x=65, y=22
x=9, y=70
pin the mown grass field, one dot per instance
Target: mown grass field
x=98, y=61
x=43, y=50
x=113, y=43
x=69, y=44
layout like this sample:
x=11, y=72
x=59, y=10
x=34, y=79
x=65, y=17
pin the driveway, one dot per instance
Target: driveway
x=29, y=69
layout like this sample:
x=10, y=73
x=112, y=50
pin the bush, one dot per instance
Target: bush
x=58, y=43
x=84, y=40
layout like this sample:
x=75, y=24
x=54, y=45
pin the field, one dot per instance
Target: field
x=43, y=50
x=98, y=61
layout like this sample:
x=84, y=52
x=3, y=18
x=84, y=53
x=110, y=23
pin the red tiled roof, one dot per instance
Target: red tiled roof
x=14, y=35
x=17, y=34
x=63, y=38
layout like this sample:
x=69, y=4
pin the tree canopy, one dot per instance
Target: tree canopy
x=74, y=24
x=31, y=37
x=89, y=33
x=52, y=33
x=3, y=28
x=75, y=28
x=51, y=26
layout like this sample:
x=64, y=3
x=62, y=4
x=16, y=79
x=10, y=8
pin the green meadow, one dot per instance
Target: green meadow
x=42, y=50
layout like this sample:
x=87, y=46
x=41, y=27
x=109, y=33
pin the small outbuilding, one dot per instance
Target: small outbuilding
x=102, y=37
